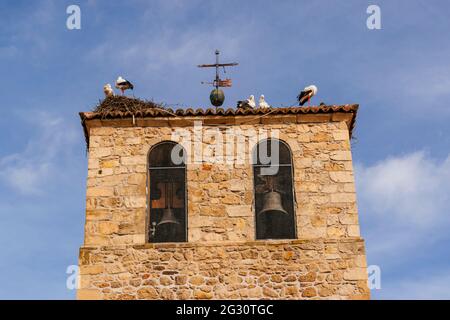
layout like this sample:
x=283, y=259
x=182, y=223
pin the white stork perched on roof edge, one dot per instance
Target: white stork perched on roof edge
x=262, y=103
x=108, y=90
x=123, y=84
x=307, y=94
x=248, y=103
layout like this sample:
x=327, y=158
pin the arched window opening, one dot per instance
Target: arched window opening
x=167, y=200
x=274, y=193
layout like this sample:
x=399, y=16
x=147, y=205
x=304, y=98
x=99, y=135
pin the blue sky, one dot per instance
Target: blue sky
x=400, y=76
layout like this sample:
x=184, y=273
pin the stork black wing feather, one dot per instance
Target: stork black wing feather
x=302, y=97
x=243, y=104
x=129, y=84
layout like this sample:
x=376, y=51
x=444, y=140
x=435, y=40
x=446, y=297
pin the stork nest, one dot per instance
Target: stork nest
x=125, y=104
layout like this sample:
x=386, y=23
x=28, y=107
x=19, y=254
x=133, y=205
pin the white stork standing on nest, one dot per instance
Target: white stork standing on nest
x=108, y=90
x=307, y=94
x=248, y=103
x=123, y=84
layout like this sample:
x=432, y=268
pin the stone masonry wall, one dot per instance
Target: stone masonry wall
x=220, y=197
x=296, y=269
x=115, y=262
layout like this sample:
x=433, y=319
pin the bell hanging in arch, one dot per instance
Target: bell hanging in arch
x=272, y=203
x=168, y=217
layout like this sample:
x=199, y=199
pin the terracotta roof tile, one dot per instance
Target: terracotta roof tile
x=123, y=107
x=168, y=112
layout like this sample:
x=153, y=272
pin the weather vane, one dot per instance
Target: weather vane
x=217, y=96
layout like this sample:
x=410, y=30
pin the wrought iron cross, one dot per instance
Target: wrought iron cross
x=217, y=81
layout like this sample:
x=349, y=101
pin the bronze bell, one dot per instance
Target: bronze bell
x=168, y=217
x=272, y=203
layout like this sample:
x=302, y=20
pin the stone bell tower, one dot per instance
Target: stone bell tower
x=172, y=219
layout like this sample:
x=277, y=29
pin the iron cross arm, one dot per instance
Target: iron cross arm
x=218, y=65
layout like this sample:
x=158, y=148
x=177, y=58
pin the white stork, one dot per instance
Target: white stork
x=307, y=94
x=262, y=103
x=108, y=90
x=123, y=84
x=248, y=103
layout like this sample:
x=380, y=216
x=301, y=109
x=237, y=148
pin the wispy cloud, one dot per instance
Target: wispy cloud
x=405, y=199
x=413, y=187
x=171, y=49
x=38, y=163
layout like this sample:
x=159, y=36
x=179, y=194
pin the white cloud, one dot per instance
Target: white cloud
x=29, y=170
x=403, y=209
x=410, y=189
x=403, y=203
x=171, y=49
x=160, y=46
